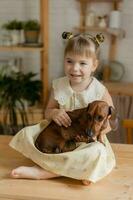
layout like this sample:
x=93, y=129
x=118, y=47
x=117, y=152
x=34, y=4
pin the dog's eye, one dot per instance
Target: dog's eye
x=98, y=118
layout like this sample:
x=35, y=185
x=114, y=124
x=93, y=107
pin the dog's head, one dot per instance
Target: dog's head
x=96, y=118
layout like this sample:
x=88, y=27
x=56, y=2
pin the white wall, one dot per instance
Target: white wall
x=125, y=46
x=64, y=15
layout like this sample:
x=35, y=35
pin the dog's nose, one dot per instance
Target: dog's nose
x=89, y=132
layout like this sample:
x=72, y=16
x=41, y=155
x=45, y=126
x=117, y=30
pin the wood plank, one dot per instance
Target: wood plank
x=93, y=29
x=120, y=88
x=20, y=48
x=44, y=8
x=99, y=1
x=117, y=185
x=2, y=198
x=128, y=123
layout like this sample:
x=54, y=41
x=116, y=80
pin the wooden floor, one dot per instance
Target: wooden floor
x=116, y=186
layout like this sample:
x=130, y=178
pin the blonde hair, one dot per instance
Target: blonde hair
x=81, y=45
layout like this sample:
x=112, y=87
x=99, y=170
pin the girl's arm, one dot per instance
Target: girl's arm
x=51, y=107
x=107, y=98
x=53, y=112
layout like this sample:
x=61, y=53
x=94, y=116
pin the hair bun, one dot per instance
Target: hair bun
x=67, y=35
x=99, y=38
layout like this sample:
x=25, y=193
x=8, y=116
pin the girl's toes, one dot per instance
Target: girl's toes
x=85, y=182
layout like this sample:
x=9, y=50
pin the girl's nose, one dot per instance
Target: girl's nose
x=76, y=67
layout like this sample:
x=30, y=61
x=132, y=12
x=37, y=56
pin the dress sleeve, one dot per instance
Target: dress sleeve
x=57, y=85
x=107, y=98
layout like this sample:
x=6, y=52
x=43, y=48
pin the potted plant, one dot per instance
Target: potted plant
x=31, y=31
x=13, y=25
x=16, y=91
x=14, y=28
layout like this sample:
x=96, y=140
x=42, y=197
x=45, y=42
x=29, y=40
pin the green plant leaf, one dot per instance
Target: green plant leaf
x=15, y=90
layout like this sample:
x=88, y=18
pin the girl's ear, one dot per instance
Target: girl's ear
x=95, y=64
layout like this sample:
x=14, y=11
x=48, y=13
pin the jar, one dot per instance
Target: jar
x=91, y=18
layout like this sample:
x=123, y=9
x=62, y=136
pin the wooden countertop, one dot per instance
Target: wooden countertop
x=118, y=185
x=119, y=88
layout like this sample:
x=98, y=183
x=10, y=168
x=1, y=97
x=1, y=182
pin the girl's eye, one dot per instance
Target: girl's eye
x=69, y=61
x=83, y=64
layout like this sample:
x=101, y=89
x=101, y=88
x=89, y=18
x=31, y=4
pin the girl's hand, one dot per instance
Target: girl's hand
x=60, y=117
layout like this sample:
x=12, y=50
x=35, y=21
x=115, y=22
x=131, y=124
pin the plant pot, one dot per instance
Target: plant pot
x=31, y=36
x=9, y=130
x=15, y=37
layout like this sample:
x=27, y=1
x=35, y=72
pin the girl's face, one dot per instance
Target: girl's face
x=79, y=68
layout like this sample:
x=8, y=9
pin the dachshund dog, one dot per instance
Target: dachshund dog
x=87, y=125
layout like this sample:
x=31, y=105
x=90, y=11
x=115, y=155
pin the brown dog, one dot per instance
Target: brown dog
x=87, y=124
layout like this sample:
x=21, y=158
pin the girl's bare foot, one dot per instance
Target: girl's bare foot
x=34, y=172
x=85, y=182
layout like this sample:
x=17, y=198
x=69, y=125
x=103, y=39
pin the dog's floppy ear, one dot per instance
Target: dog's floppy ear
x=88, y=106
x=75, y=114
x=113, y=118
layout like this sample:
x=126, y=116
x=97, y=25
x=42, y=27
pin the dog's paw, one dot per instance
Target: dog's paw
x=78, y=138
x=57, y=150
x=69, y=146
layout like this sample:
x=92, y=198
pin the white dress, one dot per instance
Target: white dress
x=91, y=161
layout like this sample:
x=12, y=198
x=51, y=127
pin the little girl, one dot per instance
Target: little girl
x=88, y=162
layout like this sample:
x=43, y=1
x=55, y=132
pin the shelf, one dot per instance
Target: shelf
x=20, y=48
x=115, y=32
x=87, y=28
x=119, y=88
x=106, y=1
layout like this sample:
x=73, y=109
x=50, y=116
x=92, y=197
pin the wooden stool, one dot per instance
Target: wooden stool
x=128, y=124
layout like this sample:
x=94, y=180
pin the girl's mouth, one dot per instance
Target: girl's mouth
x=75, y=75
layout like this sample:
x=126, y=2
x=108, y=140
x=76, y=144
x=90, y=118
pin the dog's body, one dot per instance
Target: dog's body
x=87, y=124
x=57, y=139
